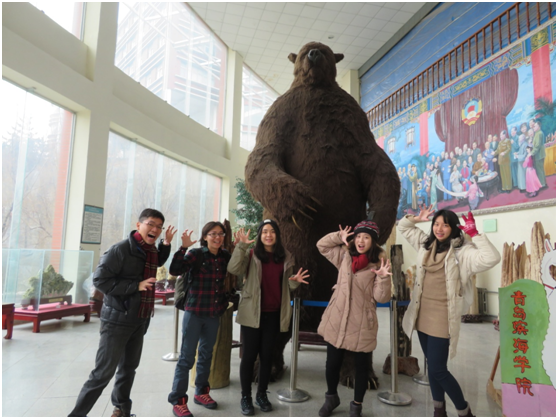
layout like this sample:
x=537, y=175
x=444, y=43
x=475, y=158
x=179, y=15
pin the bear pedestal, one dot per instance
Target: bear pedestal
x=219, y=376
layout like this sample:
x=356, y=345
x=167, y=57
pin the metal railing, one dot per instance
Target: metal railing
x=516, y=22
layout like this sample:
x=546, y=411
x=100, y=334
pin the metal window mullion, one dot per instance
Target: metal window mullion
x=19, y=187
x=159, y=180
x=128, y=201
x=203, y=191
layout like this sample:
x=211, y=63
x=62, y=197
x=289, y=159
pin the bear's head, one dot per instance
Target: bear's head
x=315, y=65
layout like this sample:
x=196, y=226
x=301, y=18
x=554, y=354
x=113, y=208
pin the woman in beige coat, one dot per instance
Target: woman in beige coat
x=265, y=305
x=349, y=322
x=443, y=291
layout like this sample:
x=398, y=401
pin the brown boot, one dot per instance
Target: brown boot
x=355, y=410
x=466, y=413
x=331, y=402
x=440, y=409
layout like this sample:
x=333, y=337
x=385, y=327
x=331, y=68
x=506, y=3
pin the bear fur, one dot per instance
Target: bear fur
x=315, y=166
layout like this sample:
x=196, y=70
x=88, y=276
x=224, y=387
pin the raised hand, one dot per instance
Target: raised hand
x=384, y=268
x=470, y=226
x=241, y=236
x=425, y=213
x=344, y=233
x=169, y=234
x=187, y=239
x=300, y=276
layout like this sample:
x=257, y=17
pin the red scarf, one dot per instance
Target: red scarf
x=147, y=304
x=359, y=262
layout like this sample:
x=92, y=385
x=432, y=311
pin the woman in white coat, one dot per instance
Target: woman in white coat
x=443, y=291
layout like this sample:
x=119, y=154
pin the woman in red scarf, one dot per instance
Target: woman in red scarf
x=349, y=323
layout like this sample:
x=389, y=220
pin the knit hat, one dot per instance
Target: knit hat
x=368, y=227
x=268, y=221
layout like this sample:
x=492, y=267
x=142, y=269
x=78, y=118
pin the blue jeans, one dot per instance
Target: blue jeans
x=436, y=351
x=120, y=346
x=194, y=329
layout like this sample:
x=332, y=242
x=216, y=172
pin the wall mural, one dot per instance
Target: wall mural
x=486, y=142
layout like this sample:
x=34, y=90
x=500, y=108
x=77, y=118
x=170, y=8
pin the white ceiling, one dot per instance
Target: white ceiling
x=266, y=33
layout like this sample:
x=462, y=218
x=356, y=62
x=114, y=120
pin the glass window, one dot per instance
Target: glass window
x=68, y=15
x=257, y=97
x=36, y=147
x=171, y=52
x=138, y=178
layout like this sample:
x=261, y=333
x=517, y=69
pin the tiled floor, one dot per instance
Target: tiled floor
x=42, y=373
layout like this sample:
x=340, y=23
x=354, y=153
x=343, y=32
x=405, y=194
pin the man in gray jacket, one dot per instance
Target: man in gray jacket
x=126, y=276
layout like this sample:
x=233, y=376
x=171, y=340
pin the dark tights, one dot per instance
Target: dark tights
x=333, y=368
x=436, y=351
x=260, y=341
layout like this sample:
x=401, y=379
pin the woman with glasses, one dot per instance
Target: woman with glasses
x=206, y=300
x=265, y=307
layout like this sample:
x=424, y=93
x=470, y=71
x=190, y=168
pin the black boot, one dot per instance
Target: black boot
x=466, y=413
x=331, y=402
x=440, y=409
x=246, y=406
x=355, y=410
x=263, y=401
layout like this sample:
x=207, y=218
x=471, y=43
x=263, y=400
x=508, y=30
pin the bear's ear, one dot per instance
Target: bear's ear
x=292, y=57
x=338, y=57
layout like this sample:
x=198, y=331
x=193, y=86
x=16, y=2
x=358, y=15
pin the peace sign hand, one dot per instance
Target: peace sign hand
x=384, y=268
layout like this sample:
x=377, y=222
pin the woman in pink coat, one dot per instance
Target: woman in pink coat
x=349, y=323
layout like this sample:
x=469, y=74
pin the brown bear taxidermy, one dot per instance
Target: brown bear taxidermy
x=315, y=166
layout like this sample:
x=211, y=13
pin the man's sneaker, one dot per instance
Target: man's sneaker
x=205, y=399
x=263, y=402
x=117, y=413
x=181, y=408
x=246, y=406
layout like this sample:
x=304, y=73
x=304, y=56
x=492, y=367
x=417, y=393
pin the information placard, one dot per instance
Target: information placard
x=92, y=225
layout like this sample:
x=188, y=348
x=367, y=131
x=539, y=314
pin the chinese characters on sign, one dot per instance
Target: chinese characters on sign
x=520, y=327
x=527, y=390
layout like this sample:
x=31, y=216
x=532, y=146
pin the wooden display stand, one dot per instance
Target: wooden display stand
x=51, y=311
x=221, y=362
x=164, y=295
x=8, y=319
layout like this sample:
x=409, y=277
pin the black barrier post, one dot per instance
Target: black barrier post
x=173, y=356
x=292, y=394
x=422, y=378
x=393, y=397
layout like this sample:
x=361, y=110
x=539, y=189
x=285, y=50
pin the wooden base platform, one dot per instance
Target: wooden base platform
x=51, y=311
x=164, y=295
x=8, y=319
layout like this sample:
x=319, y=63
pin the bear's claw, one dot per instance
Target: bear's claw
x=306, y=215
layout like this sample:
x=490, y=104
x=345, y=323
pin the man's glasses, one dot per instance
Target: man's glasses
x=213, y=235
x=155, y=226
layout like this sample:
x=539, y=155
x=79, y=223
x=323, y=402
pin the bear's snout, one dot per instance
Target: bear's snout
x=314, y=55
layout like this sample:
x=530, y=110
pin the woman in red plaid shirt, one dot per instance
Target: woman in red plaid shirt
x=206, y=300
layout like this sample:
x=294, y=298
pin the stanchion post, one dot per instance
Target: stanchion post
x=422, y=378
x=173, y=356
x=393, y=397
x=292, y=394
